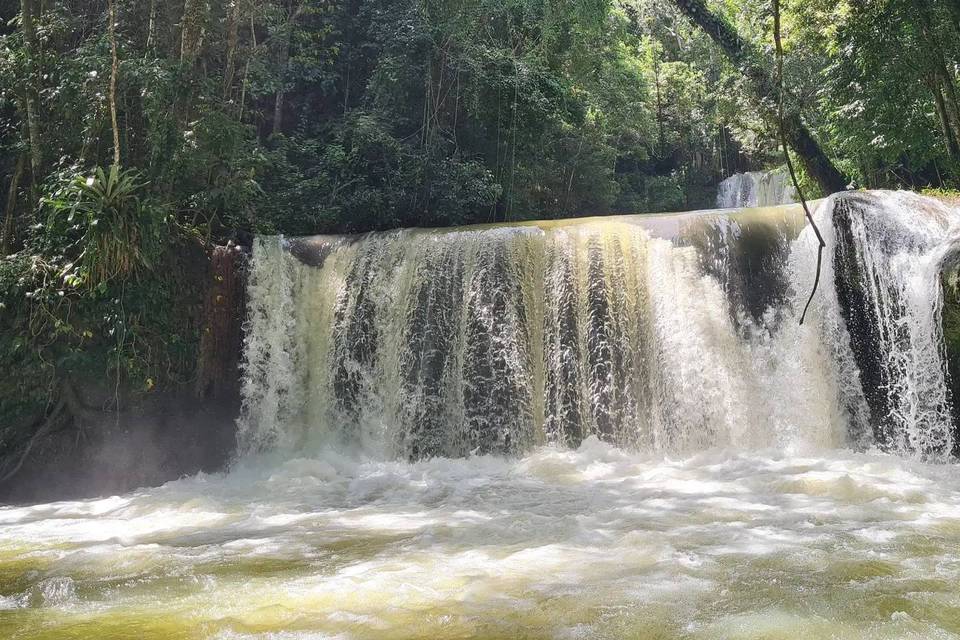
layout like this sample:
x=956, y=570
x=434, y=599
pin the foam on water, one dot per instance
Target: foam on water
x=588, y=543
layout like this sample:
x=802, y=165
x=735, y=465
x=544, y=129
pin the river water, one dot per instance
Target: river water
x=605, y=428
x=587, y=543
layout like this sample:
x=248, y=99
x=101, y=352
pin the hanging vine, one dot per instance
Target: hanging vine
x=778, y=42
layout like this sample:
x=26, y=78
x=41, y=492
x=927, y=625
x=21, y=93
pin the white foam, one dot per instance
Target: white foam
x=550, y=539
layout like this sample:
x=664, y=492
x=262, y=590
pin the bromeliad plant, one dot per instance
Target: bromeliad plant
x=100, y=286
x=120, y=228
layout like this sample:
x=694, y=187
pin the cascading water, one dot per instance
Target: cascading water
x=672, y=334
x=670, y=454
x=756, y=189
x=890, y=252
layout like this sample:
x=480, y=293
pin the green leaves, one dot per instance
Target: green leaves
x=121, y=233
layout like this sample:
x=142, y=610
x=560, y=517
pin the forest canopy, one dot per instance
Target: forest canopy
x=306, y=116
x=131, y=129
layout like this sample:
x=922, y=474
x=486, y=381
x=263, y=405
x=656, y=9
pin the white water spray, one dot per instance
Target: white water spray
x=662, y=333
x=892, y=248
x=756, y=189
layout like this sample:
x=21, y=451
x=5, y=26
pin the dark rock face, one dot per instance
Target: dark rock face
x=163, y=437
x=950, y=281
x=158, y=435
x=221, y=336
x=860, y=318
x=869, y=344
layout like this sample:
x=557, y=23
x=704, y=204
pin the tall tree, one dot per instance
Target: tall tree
x=748, y=60
x=114, y=71
x=233, y=37
x=28, y=12
x=191, y=34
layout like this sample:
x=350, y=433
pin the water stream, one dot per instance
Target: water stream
x=756, y=189
x=601, y=428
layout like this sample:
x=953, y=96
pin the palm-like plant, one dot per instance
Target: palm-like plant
x=121, y=231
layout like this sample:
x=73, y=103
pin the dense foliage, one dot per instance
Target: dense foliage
x=305, y=116
x=133, y=132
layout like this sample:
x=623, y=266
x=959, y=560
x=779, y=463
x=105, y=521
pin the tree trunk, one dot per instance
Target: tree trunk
x=950, y=102
x=114, y=71
x=191, y=34
x=9, y=224
x=940, y=81
x=246, y=69
x=949, y=134
x=233, y=37
x=661, y=134
x=747, y=59
x=151, y=27
x=278, y=113
x=284, y=63
x=28, y=9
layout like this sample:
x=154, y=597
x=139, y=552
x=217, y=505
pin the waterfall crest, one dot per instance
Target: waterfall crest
x=666, y=333
x=756, y=189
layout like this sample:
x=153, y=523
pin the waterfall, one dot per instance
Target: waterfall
x=755, y=189
x=662, y=333
x=889, y=252
x=672, y=455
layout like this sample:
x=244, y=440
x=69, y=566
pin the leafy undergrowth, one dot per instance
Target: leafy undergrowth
x=106, y=294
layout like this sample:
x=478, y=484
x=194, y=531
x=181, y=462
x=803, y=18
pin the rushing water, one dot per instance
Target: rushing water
x=591, y=543
x=756, y=189
x=604, y=428
x=649, y=332
x=657, y=333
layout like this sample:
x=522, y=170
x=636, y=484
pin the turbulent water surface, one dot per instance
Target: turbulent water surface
x=586, y=543
x=607, y=428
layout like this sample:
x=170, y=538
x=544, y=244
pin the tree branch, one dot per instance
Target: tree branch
x=48, y=425
x=114, y=71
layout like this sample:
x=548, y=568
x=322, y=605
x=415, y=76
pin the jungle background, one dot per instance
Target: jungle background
x=137, y=135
